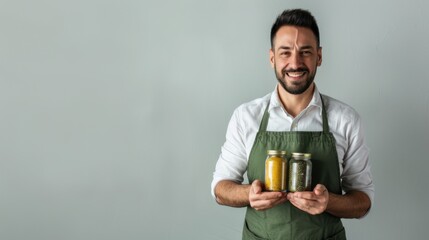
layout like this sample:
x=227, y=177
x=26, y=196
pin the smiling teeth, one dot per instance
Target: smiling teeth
x=295, y=74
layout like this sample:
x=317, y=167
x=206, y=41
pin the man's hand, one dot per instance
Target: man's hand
x=260, y=200
x=314, y=202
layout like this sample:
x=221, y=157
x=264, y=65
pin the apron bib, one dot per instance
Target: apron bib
x=285, y=221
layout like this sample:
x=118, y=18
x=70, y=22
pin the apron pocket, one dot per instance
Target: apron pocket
x=249, y=235
x=341, y=235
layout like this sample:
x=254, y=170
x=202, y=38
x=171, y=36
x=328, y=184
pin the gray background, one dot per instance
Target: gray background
x=113, y=112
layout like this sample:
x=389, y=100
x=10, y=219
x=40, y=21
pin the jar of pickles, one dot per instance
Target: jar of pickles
x=300, y=172
x=276, y=171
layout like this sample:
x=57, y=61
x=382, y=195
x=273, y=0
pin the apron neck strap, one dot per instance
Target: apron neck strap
x=324, y=117
x=264, y=122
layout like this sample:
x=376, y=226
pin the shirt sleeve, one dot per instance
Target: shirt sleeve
x=356, y=167
x=232, y=162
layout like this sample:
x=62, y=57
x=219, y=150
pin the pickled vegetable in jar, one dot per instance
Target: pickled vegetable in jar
x=276, y=171
x=300, y=168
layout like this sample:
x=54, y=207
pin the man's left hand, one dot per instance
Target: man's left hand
x=314, y=202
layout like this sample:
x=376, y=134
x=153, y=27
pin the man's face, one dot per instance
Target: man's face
x=295, y=57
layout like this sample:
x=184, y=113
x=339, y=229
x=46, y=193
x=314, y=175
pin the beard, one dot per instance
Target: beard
x=295, y=88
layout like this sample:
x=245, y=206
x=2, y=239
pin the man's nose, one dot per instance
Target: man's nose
x=295, y=60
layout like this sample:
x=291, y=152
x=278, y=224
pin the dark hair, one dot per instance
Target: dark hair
x=295, y=17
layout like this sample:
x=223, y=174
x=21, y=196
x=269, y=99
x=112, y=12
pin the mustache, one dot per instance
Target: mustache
x=301, y=69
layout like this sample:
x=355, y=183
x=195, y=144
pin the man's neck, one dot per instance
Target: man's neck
x=294, y=104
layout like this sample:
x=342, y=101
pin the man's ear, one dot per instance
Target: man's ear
x=272, y=57
x=319, y=56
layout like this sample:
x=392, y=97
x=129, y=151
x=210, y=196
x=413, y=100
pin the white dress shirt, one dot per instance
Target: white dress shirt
x=344, y=124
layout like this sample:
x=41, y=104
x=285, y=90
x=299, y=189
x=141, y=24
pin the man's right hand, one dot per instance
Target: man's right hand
x=260, y=200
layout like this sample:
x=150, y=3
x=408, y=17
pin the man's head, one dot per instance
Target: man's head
x=298, y=18
x=295, y=50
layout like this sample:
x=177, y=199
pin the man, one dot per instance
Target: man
x=296, y=118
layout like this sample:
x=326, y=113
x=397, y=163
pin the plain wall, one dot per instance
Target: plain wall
x=113, y=112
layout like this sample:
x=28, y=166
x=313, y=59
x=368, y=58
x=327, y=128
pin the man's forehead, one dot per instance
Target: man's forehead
x=294, y=36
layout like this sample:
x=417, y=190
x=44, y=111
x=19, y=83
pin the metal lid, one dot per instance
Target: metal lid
x=301, y=155
x=276, y=152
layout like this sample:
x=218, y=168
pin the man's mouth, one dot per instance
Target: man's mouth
x=295, y=74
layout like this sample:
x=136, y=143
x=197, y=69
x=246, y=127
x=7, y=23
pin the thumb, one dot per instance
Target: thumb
x=256, y=186
x=320, y=189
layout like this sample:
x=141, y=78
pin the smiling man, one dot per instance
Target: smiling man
x=295, y=117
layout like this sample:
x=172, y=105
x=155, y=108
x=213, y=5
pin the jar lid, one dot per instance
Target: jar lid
x=301, y=155
x=276, y=152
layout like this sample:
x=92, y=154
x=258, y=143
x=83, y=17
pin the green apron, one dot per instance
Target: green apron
x=285, y=221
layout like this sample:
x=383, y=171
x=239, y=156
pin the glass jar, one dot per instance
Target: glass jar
x=276, y=171
x=300, y=172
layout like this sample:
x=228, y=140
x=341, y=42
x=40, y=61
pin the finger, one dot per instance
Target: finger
x=296, y=199
x=311, y=206
x=259, y=204
x=304, y=195
x=300, y=203
x=268, y=196
x=257, y=186
x=263, y=204
x=320, y=189
x=266, y=204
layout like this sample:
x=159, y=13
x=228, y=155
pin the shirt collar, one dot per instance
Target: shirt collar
x=276, y=103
